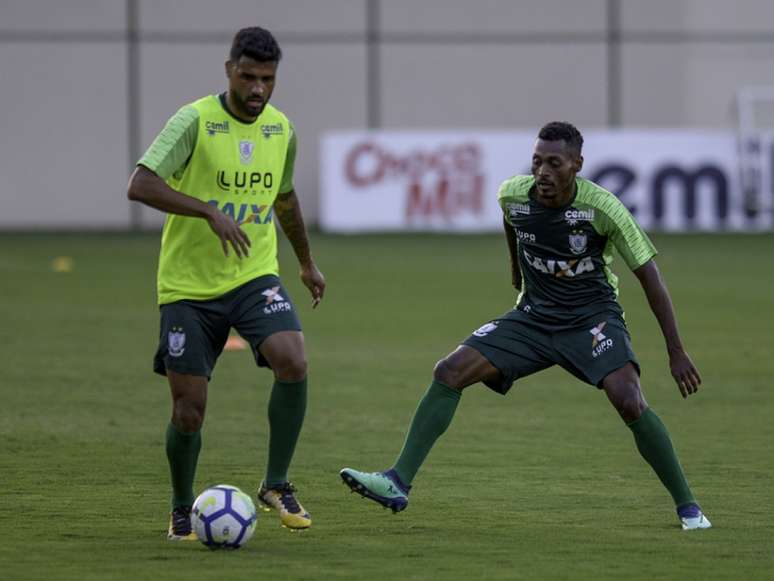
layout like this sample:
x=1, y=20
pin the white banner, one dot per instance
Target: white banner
x=447, y=181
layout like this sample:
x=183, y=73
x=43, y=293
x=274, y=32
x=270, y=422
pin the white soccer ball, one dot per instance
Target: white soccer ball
x=223, y=516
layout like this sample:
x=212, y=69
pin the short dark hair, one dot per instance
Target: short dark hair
x=562, y=131
x=257, y=43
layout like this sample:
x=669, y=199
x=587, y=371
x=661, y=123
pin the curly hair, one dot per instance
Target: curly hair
x=562, y=131
x=257, y=43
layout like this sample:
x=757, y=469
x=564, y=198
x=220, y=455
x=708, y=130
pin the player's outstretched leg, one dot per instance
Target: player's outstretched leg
x=390, y=488
x=654, y=444
x=386, y=487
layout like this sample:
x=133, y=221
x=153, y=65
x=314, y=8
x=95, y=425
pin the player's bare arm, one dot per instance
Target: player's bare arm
x=288, y=213
x=683, y=370
x=148, y=188
x=513, y=249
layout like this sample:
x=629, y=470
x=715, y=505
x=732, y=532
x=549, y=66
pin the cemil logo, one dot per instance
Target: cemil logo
x=214, y=127
x=573, y=216
x=515, y=209
x=600, y=343
x=269, y=130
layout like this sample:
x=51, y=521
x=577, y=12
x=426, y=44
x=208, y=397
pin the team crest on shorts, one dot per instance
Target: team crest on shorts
x=176, y=340
x=246, y=149
x=578, y=242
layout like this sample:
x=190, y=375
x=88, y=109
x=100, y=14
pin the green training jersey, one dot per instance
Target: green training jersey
x=207, y=153
x=565, y=253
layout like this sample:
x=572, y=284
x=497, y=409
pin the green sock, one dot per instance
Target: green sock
x=182, y=453
x=287, y=406
x=434, y=414
x=653, y=442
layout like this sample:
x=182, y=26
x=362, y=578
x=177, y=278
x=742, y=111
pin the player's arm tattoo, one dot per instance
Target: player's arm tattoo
x=288, y=213
x=513, y=253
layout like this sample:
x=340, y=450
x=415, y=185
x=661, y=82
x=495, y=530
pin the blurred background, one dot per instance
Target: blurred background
x=87, y=84
x=409, y=114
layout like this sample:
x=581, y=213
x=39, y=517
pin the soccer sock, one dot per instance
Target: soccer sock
x=434, y=414
x=653, y=442
x=182, y=453
x=287, y=406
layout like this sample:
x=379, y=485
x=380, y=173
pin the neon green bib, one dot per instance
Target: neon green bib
x=236, y=167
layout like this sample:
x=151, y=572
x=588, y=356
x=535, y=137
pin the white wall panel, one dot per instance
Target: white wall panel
x=297, y=16
x=63, y=155
x=492, y=86
x=690, y=84
x=62, y=15
x=698, y=15
x=492, y=16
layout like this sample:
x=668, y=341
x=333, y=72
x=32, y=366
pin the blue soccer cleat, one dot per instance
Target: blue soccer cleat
x=180, y=528
x=692, y=518
x=385, y=488
x=283, y=499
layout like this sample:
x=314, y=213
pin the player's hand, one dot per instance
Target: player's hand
x=314, y=281
x=684, y=371
x=229, y=232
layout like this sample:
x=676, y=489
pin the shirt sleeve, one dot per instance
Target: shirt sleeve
x=627, y=236
x=290, y=163
x=172, y=148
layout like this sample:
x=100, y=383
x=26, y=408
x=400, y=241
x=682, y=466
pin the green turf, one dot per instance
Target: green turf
x=542, y=484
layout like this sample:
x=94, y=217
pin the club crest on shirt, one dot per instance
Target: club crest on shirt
x=246, y=149
x=578, y=242
x=176, y=340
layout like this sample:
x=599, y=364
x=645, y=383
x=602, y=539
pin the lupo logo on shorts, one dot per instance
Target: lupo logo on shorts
x=275, y=302
x=600, y=343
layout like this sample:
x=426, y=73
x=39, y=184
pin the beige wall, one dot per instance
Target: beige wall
x=65, y=153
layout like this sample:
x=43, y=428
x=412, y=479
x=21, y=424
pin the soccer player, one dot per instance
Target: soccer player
x=222, y=170
x=561, y=231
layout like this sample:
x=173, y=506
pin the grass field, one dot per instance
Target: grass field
x=542, y=484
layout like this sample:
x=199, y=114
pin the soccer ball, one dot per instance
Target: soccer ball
x=223, y=516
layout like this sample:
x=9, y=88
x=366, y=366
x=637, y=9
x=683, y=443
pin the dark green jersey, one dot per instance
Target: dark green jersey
x=565, y=253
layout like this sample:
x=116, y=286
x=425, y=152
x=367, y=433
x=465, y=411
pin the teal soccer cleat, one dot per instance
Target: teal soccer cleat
x=385, y=488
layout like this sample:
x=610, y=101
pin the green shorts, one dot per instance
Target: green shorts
x=518, y=345
x=193, y=333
